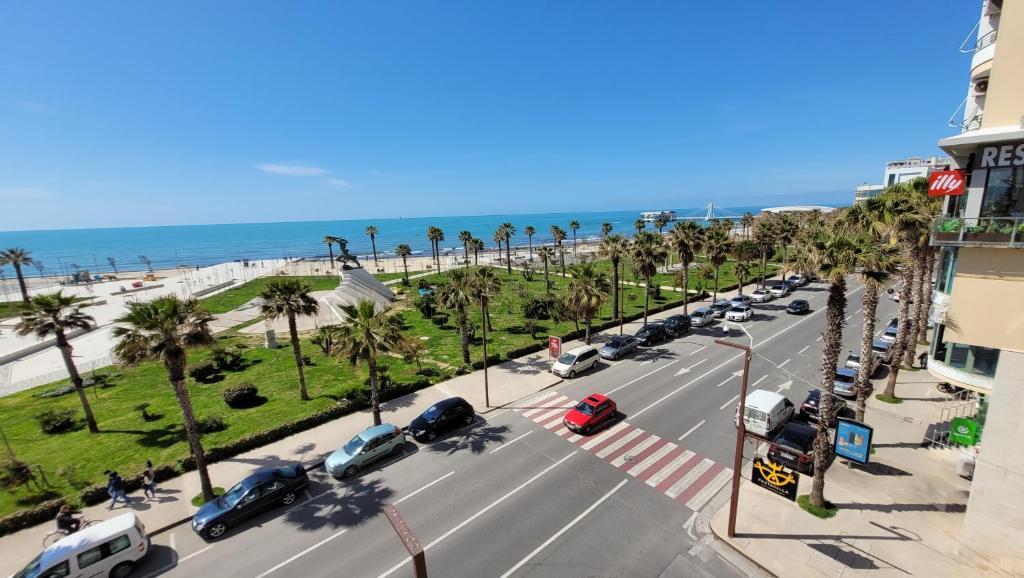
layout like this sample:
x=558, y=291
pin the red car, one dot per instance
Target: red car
x=590, y=413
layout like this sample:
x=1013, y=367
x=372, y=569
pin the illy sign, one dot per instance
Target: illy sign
x=945, y=183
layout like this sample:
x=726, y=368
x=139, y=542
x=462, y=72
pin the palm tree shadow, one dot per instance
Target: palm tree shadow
x=476, y=438
x=163, y=437
x=362, y=500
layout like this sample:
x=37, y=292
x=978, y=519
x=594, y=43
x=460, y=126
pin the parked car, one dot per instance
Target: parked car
x=761, y=295
x=365, y=448
x=779, y=290
x=845, y=381
x=889, y=335
x=764, y=411
x=853, y=362
x=111, y=548
x=618, y=346
x=882, y=350
x=256, y=493
x=702, y=316
x=720, y=307
x=440, y=418
x=590, y=413
x=677, y=325
x=793, y=447
x=650, y=334
x=797, y=280
x=739, y=313
x=798, y=307
x=741, y=300
x=809, y=408
x=576, y=360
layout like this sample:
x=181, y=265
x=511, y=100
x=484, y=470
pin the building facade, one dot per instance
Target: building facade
x=902, y=171
x=978, y=336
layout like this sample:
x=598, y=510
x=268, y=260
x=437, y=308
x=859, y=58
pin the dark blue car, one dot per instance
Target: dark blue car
x=257, y=493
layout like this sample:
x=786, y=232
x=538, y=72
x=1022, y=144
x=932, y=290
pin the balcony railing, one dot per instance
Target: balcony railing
x=987, y=231
x=988, y=38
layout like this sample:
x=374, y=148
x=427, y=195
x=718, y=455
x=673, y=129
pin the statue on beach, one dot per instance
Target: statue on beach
x=345, y=258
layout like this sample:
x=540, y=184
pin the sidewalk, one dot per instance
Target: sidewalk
x=899, y=515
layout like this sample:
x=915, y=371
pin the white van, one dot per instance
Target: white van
x=576, y=360
x=701, y=316
x=764, y=412
x=111, y=548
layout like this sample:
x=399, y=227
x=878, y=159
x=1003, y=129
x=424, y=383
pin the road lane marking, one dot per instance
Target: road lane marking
x=620, y=442
x=634, y=451
x=309, y=497
x=759, y=380
x=652, y=459
x=194, y=554
x=669, y=468
x=848, y=317
x=803, y=350
x=781, y=365
x=726, y=404
x=303, y=553
x=858, y=311
x=701, y=348
x=692, y=429
x=508, y=443
x=486, y=509
x=690, y=477
x=641, y=377
x=689, y=369
x=819, y=338
x=404, y=498
x=564, y=529
x=606, y=434
x=699, y=484
x=697, y=502
x=726, y=380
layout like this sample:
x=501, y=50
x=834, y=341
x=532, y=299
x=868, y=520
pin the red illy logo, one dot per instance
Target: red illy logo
x=943, y=183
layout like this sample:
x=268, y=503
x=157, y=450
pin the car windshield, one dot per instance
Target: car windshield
x=585, y=408
x=236, y=492
x=737, y=310
x=879, y=348
x=432, y=413
x=567, y=359
x=842, y=378
x=616, y=342
x=31, y=570
x=354, y=445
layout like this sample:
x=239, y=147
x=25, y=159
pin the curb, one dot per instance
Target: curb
x=735, y=549
x=506, y=404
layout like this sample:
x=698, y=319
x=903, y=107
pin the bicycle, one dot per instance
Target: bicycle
x=53, y=536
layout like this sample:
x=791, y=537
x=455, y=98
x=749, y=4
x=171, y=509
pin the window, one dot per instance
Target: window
x=119, y=543
x=58, y=571
x=967, y=358
x=270, y=487
x=892, y=179
x=90, y=557
x=947, y=270
x=1004, y=193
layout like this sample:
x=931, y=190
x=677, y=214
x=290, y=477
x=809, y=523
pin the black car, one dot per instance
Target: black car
x=677, y=325
x=442, y=417
x=257, y=493
x=809, y=408
x=798, y=306
x=650, y=334
x=793, y=447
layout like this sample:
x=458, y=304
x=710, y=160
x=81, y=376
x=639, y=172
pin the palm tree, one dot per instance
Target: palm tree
x=17, y=258
x=716, y=248
x=787, y=230
x=587, y=290
x=606, y=229
x=742, y=270
x=639, y=225
x=436, y=235
x=747, y=221
x=764, y=236
x=484, y=283
x=659, y=222
x=329, y=241
x=702, y=275
x=56, y=314
x=558, y=234
x=530, y=232
x=685, y=239
x=164, y=329
x=647, y=252
x=290, y=298
x=546, y=255
x=574, y=226
x=499, y=238
x=411, y=349
x=465, y=237
x=371, y=231
x=878, y=261
x=477, y=245
x=113, y=264
x=510, y=231
x=365, y=334
x=614, y=247
x=404, y=251
x=457, y=294
x=834, y=252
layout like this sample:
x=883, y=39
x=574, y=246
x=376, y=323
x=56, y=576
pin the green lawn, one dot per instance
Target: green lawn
x=9, y=309
x=390, y=276
x=126, y=441
x=238, y=296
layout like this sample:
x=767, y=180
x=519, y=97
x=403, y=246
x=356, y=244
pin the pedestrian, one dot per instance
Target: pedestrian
x=115, y=488
x=149, y=481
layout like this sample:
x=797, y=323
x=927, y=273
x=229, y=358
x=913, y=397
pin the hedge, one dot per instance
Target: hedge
x=38, y=514
x=98, y=493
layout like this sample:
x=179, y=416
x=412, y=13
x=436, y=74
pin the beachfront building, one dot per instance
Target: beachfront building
x=902, y=171
x=977, y=341
x=798, y=209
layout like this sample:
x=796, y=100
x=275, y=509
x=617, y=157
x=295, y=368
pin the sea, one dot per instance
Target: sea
x=61, y=251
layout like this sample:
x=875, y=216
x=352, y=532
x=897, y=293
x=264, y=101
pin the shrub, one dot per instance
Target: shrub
x=542, y=307
x=530, y=326
x=28, y=517
x=203, y=372
x=211, y=424
x=439, y=319
x=422, y=284
x=56, y=392
x=227, y=360
x=425, y=304
x=98, y=493
x=241, y=396
x=55, y=421
x=15, y=473
x=326, y=339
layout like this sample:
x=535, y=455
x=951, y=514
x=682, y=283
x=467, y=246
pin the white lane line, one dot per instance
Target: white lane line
x=564, y=529
x=486, y=509
x=652, y=459
x=726, y=380
x=634, y=451
x=604, y=435
x=732, y=359
x=803, y=350
x=194, y=554
x=309, y=497
x=692, y=429
x=726, y=404
x=690, y=477
x=858, y=311
x=652, y=372
x=701, y=348
x=716, y=483
x=848, y=317
x=759, y=380
x=781, y=365
x=303, y=553
x=414, y=492
x=779, y=390
x=819, y=338
x=669, y=468
x=607, y=450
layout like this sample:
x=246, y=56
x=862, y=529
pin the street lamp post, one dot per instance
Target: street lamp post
x=741, y=430
x=483, y=313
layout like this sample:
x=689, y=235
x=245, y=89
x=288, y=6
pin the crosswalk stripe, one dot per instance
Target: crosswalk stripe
x=635, y=433
x=699, y=483
x=634, y=452
x=606, y=434
x=550, y=413
x=546, y=407
x=668, y=469
x=530, y=403
x=677, y=453
x=562, y=431
x=575, y=438
x=559, y=420
x=679, y=472
x=697, y=501
x=552, y=420
x=690, y=477
x=651, y=458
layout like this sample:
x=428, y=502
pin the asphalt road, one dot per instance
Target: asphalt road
x=516, y=494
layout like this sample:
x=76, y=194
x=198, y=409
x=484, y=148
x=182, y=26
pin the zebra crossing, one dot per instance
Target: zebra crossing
x=681, y=474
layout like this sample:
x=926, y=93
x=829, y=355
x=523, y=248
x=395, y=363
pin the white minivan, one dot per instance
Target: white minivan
x=110, y=548
x=701, y=316
x=576, y=360
x=764, y=412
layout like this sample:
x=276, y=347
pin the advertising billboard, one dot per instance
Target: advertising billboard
x=853, y=440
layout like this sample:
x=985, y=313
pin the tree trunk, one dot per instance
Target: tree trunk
x=924, y=300
x=371, y=365
x=574, y=242
x=373, y=243
x=916, y=275
x=405, y=267
x=547, y=285
x=901, y=338
x=293, y=333
x=829, y=358
x=647, y=296
x=531, y=246
x=686, y=284
x=21, y=282
x=764, y=266
x=785, y=259
x=330, y=253
x=476, y=256
x=487, y=313
x=508, y=253
x=615, y=292
x=561, y=256
x=465, y=251
x=715, y=298
x=586, y=339
x=175, y=363
x=76, y=380
x=464, y=333
x=870, y=304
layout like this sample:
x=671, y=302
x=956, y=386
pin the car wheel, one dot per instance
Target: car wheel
x=572, y=374
x=288, y=499
x=351, y=471
x=469, y=419
x=398, y=450
x=587, y=430
x=217, y=530
x=122, y=570
x=431, y=436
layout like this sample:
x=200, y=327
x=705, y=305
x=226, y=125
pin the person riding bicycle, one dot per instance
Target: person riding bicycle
x=66, y=521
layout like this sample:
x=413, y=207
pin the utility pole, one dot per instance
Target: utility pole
x=483, y=316
x=741, y=431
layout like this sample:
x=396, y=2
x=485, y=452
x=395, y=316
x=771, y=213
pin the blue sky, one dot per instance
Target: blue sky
x=139, y=113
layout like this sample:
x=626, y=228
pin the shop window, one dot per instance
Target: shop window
x=1004, y=193
x=967, y=358
x=947, y=270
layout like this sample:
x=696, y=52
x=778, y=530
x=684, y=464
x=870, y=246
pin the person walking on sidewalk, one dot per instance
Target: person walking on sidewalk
x=115, y=488
x=149, y=481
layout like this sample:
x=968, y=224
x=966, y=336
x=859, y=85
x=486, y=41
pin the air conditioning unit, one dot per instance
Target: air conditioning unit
x=981, y=85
